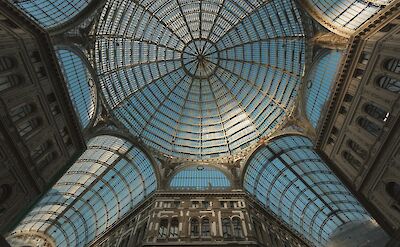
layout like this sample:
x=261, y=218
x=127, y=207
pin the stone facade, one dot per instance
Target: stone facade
x=199, y=219
x=360, y=134
x=39, y=133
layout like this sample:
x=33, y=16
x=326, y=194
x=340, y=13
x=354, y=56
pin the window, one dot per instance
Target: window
x=358, y=73
x=20, y=112
x=194, y=228
x=173, y=230
x=351, y=160
x=42, y=163
x=205, y=227
x=176, y=204
x=200, y=178
x=393, y=65
x=55, y=110
x=232, y=204
x=389, y=84
x=393, y=189
x=206, y=204
x=163, y=229
x=27, y=127
x=348, y=97
x=364, y=58
x=195, y=204
x=39, y=150
x=7, y=82
x=226, y=228
x=237, y=227
x=51, y=97
x=356, y=148
x=6, y=63
x=376, y=112
x=343, y=110
x=65, y=136
x=369, y=126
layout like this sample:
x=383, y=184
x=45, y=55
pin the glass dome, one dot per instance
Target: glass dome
x=200, y=79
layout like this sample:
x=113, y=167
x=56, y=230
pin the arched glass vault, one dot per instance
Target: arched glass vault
x=109, y=179
x=200, y=79
x=291, y=180
x=52, y=13
x=345, y=15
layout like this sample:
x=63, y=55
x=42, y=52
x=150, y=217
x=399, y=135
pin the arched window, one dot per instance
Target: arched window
x=356, y=148
x=393, y=65
x=369, y=126
x=205, y=227
x=194, y=228
x=393, y=189
x=389, y=84
x=20, y=112
x=5, y=192
x=226, y=228
x=37, y=151
x=351, y=160
x=6, y=63
x=200, y=178
x=348, y=97
x=173, y=230
x=163, y=229
x=10, y=81
x=376, y=112
x=237, y=227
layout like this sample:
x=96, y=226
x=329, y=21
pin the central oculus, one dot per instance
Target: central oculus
x=200, y=58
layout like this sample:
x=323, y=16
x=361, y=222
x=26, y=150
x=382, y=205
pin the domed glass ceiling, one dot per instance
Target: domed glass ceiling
x=200, y=79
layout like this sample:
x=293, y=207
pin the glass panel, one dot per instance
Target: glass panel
x=194, y=227
x=173, y=232
x=226, y=228
x=237, y=227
